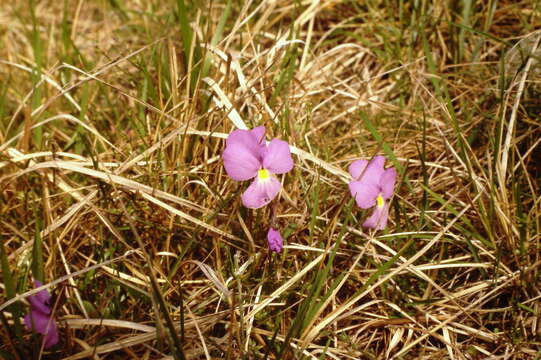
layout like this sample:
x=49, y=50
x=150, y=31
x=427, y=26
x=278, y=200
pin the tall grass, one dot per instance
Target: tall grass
x=113, y=116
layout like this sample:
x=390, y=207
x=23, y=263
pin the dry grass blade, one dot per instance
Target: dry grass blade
x=223, y=102
x=509, y=135
x=298, y=276
x=458, y=314
x=211, y=275
x=67, y=117
x=332, y=316
x=139, y=339
x=64, y=278
x=83, y=323
x=146, y=191
x=396, y=338
x=113, y=120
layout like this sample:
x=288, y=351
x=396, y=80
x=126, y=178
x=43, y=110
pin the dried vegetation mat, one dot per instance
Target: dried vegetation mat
x=113, y=116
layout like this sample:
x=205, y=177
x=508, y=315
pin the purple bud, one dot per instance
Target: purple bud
x=275, y=240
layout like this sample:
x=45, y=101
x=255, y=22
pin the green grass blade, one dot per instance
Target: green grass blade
x=189, y=45
x=216, y=37
x=10, y=289
x=37, y=253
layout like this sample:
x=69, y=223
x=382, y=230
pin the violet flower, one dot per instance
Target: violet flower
x=40, y=318
x=246, y=156
x=275, y=240
x=373, y=185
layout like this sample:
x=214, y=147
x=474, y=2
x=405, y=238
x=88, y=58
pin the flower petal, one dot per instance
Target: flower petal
x=40, y=301
x=243, y=153
x=374, y=170
x=387, y=182
x=275, y=240
x=259, y=134
x=51, y=337
x=37, y=321
x=254, y=139
x=261, y=192
x=370, y=173
x=277, y=158
x=365, y=193
x=43, y=296
x=378, y=219
x=37, y=305
x=357, y=167
x=39, y=318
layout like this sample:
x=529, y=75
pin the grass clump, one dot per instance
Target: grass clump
x=113, y=116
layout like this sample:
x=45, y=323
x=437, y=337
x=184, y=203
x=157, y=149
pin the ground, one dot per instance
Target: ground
x=113, y=120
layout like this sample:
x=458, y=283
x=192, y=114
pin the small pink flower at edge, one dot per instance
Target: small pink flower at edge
x=275, y=240
x=373, y=185
x=40, y=319
x=246, y=156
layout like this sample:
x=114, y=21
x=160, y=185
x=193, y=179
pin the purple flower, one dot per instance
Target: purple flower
x=40, y=318
x=246, y=156
x=373, y=185
x=275, y=240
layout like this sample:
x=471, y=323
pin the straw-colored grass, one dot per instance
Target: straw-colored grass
x=113, y=116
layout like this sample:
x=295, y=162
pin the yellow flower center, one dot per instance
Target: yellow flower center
x=263, y=174
x=380, y=201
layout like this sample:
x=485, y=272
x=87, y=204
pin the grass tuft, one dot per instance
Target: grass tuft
x=113, y=116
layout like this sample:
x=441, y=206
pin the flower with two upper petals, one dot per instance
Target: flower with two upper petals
x=247, y=156
x=40, y=318
x=373, y=185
